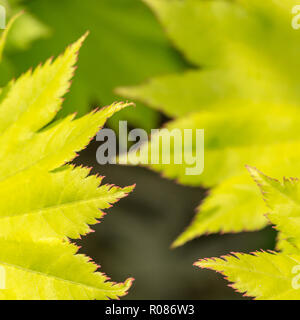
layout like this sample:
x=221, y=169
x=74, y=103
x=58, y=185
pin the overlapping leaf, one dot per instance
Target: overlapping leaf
x=60, y=204
x=244, y=93
x=263, y=275
x=269, y=275
x=283, y=199
x=52, y=270
x=45, y=201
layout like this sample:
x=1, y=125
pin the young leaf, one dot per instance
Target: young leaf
x=262, y=275
x=56, y=205
x=45, y=201
x=53, y=270
x=240, y=78
x=33, y=100
x=269, y=275
x=232, y=206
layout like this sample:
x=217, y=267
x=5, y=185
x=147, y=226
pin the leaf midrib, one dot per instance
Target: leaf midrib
x=58, y=206
x=45, y=275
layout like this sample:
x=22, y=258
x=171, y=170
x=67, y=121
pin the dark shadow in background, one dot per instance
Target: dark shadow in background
x=134, y=238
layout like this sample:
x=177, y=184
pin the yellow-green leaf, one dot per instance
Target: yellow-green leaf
x=243, y=91
x=52, y=270
x=262, y=275
x=44, y=201
x=55, y=205
x=283, y=199
x=269, y=275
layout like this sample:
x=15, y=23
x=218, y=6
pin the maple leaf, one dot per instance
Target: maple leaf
x=263, y=275
x=51, y=270
x=283, y=200
x=243, y=92
x=45, y=202
x=269, y=275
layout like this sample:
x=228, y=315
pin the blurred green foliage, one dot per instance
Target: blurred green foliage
x=26, y=29
x=126, y=45
x=244, y=92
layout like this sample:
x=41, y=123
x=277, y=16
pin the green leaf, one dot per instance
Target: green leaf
x=243, y=91
x=269, y=275
x=284, y=244
x=57, y=205
x=263, y=275
x=37, y=93
x=283, y=199
x=45, y=202
x=233, y=203
x=52, y=270
x=236, y=46
x=233, y=206
x=226, y=151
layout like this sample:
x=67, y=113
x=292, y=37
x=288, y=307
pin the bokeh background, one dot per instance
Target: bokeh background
x=127, y=46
